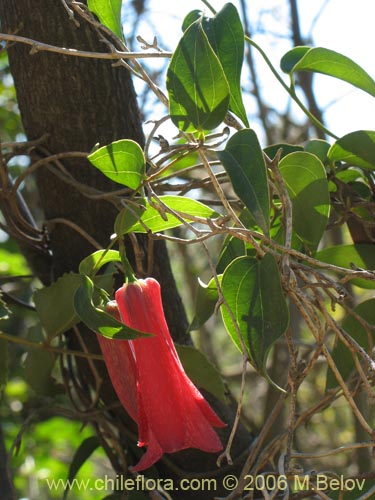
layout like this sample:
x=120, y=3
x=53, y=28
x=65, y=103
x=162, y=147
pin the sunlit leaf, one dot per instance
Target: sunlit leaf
x=203, y=374
x=226, y=36
x=152, y=220
x=121, y=161
x=92, y=263
x=360, y=255
x=356, y=148
x=197, y=86
x=252, y=290
x=307, y=185
x=327, y=62
x=243, y=160
x=98, y=320
x=109, y=14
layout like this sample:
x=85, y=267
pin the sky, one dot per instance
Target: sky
x=345, y=26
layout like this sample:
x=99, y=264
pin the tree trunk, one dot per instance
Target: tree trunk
x=79, y=102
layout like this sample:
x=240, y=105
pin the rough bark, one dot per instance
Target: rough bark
x=80, y=102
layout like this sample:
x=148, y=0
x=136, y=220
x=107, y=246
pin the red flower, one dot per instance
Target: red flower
x=151, y=383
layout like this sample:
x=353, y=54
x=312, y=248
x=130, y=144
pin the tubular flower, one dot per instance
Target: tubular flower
x=151, y=383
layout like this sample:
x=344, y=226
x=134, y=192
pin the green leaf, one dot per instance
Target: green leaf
x=252, y=289
x=202, y=373
x=197, y=86
x=328, y=62
x=307, y=185
x=227, y=38
x=91, y=264
x=152, y=220
x=341, y=355
x=319, y=148
x=205, y=302
x=98, y=320
x=121, y=161
x=232, y=248
x=292, y=57
x=360, y=255
x=83, y=452
x=38, y=367
x=55, y=305
x=108, y=13
x=356, y=148
x=243, y=160
x=286, y=149
x=193, y=16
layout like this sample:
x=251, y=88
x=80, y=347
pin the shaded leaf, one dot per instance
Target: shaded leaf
x=356, y=148
x=38, y=367
x=227, y=38
x=55, y=305
x=286, y=149
x=232, y=248
x=121, y=161
x=202, y=373
x=319, y=148
x=98, y=320
x=341, y=355
x=307, y=185
x=83, y=452
x=360, y=255
x=91, y=264
x=197, y=86
x=108, y=13
x=243, y=160
x=190, y=18
x=152, y=220
x=252, y=289
x=205, y=302
x=327, y=62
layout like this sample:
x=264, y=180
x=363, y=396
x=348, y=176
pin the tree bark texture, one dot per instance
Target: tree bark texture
x=79, y=102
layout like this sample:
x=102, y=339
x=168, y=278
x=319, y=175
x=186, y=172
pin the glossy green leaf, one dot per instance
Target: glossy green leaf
x=243, y=160
x=153, y=220
x=55, y=306
x=361, y=255
x=341, y=355
x=91, y=264
x=83, y=452
x=121, y=161
x=226, y=36
x=205, y=302
x=252, y=289
x=98, y=320
x=356, y=148
x=108, y=13
x=202, y=373
x=328, y=62
x=197, y=86
x=307, y=185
